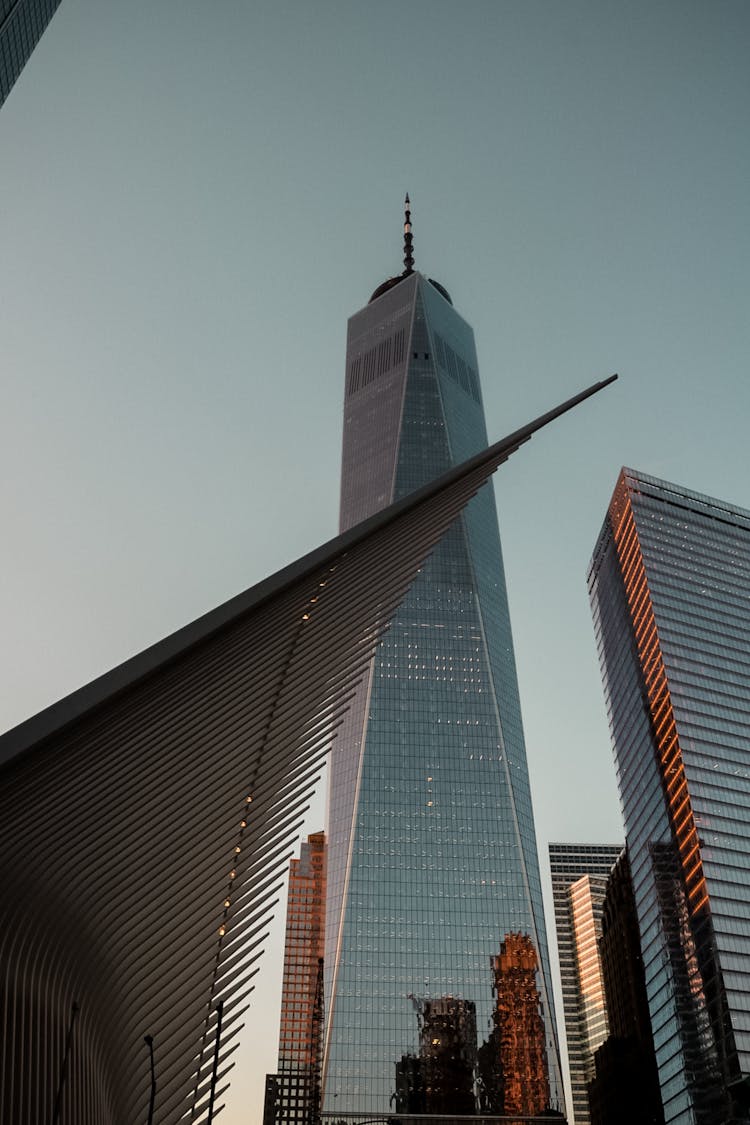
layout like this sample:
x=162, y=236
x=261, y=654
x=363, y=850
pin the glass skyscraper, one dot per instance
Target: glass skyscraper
x=625, y=1088
x=432, y=865
x=670, y=593
x=21, y=25
x=579, y=881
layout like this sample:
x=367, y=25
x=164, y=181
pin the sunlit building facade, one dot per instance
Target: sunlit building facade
x=21, y=25
x=520, y=1029
x=432, y=851
x=669, y=585
x=579, y=878
x=293, y=1093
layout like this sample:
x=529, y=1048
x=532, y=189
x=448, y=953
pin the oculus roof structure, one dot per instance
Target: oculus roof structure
x=147, y=819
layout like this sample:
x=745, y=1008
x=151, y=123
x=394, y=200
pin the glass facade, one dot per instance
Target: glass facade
x=21, y=25
x=433, y=869
x=579, y=878
x=669, y=585
x=586, y=896
x=625, y=1088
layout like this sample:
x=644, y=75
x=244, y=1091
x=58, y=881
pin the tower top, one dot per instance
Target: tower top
x=408, y=269
x=408, y=239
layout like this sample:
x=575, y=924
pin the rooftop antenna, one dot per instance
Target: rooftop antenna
x=408, y=241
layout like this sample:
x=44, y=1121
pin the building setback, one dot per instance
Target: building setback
x=293, y=1094
x=21, y=25
x=432, y=850
x=669, y=586
x=579, y=877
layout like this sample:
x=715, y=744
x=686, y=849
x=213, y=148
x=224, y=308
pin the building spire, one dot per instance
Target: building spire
x=408, y=242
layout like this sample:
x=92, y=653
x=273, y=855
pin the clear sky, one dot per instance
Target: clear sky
x=196, y=196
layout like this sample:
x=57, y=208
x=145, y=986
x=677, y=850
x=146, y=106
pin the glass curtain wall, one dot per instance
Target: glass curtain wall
x=433, y=869
x=669, y=588
x=579, y=877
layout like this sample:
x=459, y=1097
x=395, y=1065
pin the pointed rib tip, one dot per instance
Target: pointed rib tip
x=406, y=198
x=602, y=383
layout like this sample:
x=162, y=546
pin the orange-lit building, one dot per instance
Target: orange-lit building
x=519, y=1029
x=293, y=1094
x=669, y=585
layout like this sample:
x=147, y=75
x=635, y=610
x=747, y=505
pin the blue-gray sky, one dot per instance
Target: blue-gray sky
x=194, y=199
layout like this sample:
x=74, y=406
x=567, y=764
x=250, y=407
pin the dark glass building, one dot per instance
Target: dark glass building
x=432, y=851
x=579, y=879
x=625, y=1088
x=441, y=1078
x=21, y=25
x=669, y=585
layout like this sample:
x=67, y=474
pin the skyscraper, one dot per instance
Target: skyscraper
x=296, y=1086
x=432, y=852
x=669, y=585
x=579, y=877
x=21, y=25
x=626, y=1086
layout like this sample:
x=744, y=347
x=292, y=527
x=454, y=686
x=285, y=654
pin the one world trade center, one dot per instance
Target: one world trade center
x=438, y=995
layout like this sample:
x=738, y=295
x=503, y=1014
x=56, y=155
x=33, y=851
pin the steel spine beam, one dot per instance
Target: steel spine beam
x=126, y=826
